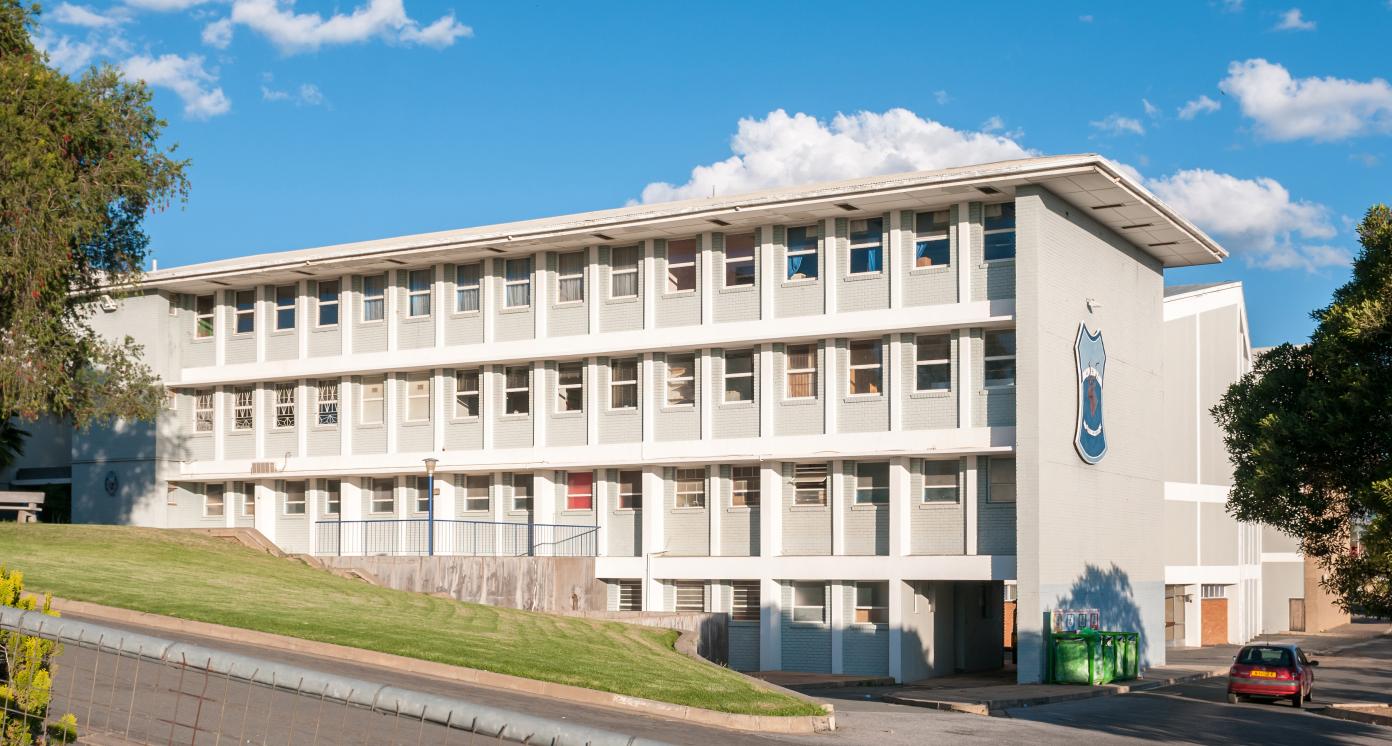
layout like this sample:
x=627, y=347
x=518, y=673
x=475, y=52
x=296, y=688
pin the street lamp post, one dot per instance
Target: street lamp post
x=430, y=505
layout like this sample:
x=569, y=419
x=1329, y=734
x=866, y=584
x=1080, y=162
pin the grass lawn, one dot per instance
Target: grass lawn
x=191, y=576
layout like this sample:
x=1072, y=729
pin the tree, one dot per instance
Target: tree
x=1309, y=431
x=80, y=166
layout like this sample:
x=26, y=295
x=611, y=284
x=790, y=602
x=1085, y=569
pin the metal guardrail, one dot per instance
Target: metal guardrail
x=411, y=536
x=144, y=689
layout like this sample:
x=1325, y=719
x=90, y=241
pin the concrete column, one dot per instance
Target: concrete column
x=836, y=609
x=708, y=393
x=964, y=262
x=601, y=506
x=544, y=504
x=541, y=404
x=715, y=508
x=220, y=423
x=895, y=387
x=486, y=406
x=266, y=510
x=969, y=503
x=303, y=310
x=836, y=499
x=306, y=417
x=541, y=294
x=896, y=628
x=391, y=302
x=594, y=292
x=346, y=319
x=900, y=503
x=770, y=274
x=439, y=408
x=647, y=397
x=444, y=510
x=894, y=258
x=706, y=276
x=497, y=508
x=440, y=304
x=389, y=385
x=828, y=374
x=654, y=536
x=262, y=316
x=220, y=332
x=258, y=419
x=770, y=625
x=770, y=509
x=649, y=285
x=964, y=378
x=488, y=300
x=829, y=269
x=768, y=390
x=345, y=416
x=592, y=402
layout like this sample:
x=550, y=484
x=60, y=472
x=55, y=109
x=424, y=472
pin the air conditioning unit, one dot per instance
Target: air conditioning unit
x=263, y=467
x=107, y=304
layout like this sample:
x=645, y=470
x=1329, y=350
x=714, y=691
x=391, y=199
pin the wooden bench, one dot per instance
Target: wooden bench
x=25, y=505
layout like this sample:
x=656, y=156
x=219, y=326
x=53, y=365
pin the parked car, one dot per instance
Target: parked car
x=1271, y=672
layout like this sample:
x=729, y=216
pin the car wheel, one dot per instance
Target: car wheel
x=1233, y=698
x=1310, y=696
x=1298, y=700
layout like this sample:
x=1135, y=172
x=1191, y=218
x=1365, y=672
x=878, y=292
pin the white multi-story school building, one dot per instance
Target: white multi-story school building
x=865, y=418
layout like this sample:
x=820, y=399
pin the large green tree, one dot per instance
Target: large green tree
x=81, y=164
x=1309, y=431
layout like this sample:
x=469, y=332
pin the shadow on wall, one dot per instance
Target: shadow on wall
x=115, y=468
x=1110, y=592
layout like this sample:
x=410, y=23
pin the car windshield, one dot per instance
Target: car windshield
x=1264, y=657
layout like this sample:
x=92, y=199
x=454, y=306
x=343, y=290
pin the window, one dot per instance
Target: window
x=294, y=498
x=418, y=397
x=285, y=405
x=246, y=492
x=623, y=272
x=203, y=310
x=332, y=489
x=623, y=384
x=580, y=490
x=867, y=246
x=466, y=393
x=383, y=492
x=690, y=595
x=521, y=491
x=1000, y=231
x=1209, y=590
x=476, y=493
x=372, y=401
x=744, y=486
x=517, y=389
x=1000, y=359
x=872, y=603
x=631, y=490
x=214, y=501
x=739, y=376
x=418, y=292
x=374, y=298
x=932, y=242
x=570, y=387
x=285, y=296
x=327, y=393
x=691, y=488
x=872, y=483
x=939, y=481
x=681, y=380
x=933, y=362
x=203, y=411
x=518, y=283
x=809, y=484
x=681, y=265
x=466, y=287
x=328, y=303
x=809, y=603
x=630, y=595
x=865, y=367
x=245, y=301
x=1011, y=592
x=802, y=372
x=570, y=283
x=744, y=601
x=418, y=493
x=802, y=253
x=1000, y=480
x=739, y=260
x=243, y=408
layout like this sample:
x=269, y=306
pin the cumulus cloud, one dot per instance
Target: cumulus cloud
x=72, y=54
x=1201, y=105
x=783, y=148
x=81, y=15
x=1116, y=124
x=1291, y=20
x=295, y=32
x=1256, y=219
x=1287, y=108
x=218, y=33
x=165, y=6
x=186, y=77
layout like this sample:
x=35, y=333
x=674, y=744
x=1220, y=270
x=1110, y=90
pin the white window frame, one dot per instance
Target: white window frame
x=735, y=263
x=789, y=252
x=869, y=613
x=866, y=493
x=509, y=282
x=615, y=383
x=992, y=468
x=466, y=287
x=570, y=282
x=332, y=489
x=996, y=231
x=673, y=284
x=631, y=499
x=244, y=408
x=470, y=482
x=922, y=344
x=281, y=307
x=286, y=398
x=877, y=366
x=520, y=503
x=676, y=382
x=203, y=411
x=625, y=270
x=630, y=595
x=294, y=507
x=421, y=294
x=204, y=320
x=563, y=388
x=221, y=501
x=418, y=394
x=326, y=393
x=745, y=604
x=802, y=613
x=810, y=372
x=375, y=499
x=417, y=493
x=239, y=312
x=746, y=496
x=690, y=488
x=746, y=378
x=374, y=305
x=570, y=493
x=986, y=360
x=247, y=492
x=940, y=494
x=929, y=234
x=808, y=478
x=864, y=244
x=380, y=399
x=321, y=304
x=689, y=595
x=466, y=387
x=509, y=390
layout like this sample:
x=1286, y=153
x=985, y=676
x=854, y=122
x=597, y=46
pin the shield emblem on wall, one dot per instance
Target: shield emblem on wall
x=1091, y=356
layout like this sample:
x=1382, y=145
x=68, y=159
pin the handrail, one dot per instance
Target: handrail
x=453, y=536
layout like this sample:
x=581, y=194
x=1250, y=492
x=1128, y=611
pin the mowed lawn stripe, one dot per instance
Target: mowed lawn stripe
x=191, y=576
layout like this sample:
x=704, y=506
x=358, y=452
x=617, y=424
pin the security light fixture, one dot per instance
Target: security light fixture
x=430, y=466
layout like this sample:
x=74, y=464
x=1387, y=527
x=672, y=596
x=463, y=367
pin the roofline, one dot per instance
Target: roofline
x=1219, y=288
x=588, y=223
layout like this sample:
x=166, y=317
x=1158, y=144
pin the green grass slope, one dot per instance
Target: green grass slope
x=191, y=576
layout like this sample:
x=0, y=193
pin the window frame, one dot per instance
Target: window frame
x=302, y=502
x=802, y=483
x=629, y=269
x=326, y=407
x=790, y=371
x=332, y=490
x=381, y=399
x=576, y=278
x=465, y=287
x=282, y=308
x=414, y=293
x=286, y=406
x=200, y=397
x=924, y=236
x=615, y=382
x=871, y=494
x=518, y=479
x=741, y=498
x=683, y=496
x=200, y=316
x=563, y=389
x=920, y=363
x=673, y=284
x=376, y=301
x=798, y=608
x=470, y=482
x=321, y=305
x=244, y=412
x=726, y=376
x=875, y=249
x=987, y=232
x=375, y=492
x=246, y=491
x=239, y=313
x=461, y=375
x=877, y=366
x=510, y=282
x=992, y=468
x=745, y=604
x=509, y=390
x=814, y=251
x=955, y=469
x=876, y=608
x=734, y=265
x=689, y=586
x=986, y=359
x=633, y=498
x=221, y=501
x=669, y=381
x=413, y=396
x=586, y=492
x=630, y=595
x=417, y=488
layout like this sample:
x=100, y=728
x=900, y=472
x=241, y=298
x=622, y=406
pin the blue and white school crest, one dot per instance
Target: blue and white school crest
x=1091, y=354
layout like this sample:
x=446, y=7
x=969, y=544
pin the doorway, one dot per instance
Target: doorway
x=1175, y=598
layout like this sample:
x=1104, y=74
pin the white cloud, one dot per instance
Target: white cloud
x=1286, y=108
x=1201, y=105
x=783, y=148
x=1367, y=159
x=941, y=96
x=1232, y=6
x=72, y=55
x=81, y=15
x=1255, y=219
x=218, y=33
x=1116, y=124
x=1291, y=20
x=307, y=94
x=1151, y=110
x=184, y=76
x=165, y=6
x=1085, y=19
x=994, y=124
x=301, y=32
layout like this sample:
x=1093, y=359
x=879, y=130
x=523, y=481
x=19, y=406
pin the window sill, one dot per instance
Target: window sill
x=204, y=340
x=283, y=332
x=931, y=270
x=515, y=310
x=701, y=509
x=201, y=435
x=934, y=394
x=862, y=276
x=870, y=625
x=326, y=328
x=366, y=426
x=679, y=407
x=415, y=423
x=994, y=263
x=464, y=314
x=742, y=509
x=628, y=510
x=809, y=625
x=568, y=304
x=624, y=299
x=854, y=398
x=738, y=289
x=737, y=405
x=808, y=508
x=939, y=504
x=324, y=428
x=622, y=410
x=367, y=322
x=516, y=416
x=993, y=389
x=465, y=420
x=573, y=415
x=679, y=293
x=800, y=283
x=871, y=507
x=801, y=401
x=578, y=511
x=415, y=319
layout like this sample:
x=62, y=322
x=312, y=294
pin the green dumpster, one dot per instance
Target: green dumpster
x=1128, y=655
x=1105, y=670
x=1072, y=657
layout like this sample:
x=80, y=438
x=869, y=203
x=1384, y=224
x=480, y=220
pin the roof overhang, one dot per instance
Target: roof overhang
x=1089, y=182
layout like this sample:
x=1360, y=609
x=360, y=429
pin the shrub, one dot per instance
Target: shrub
x=26, y=681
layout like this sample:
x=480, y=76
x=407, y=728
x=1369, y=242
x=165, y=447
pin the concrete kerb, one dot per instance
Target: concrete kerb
x=998, y=707
x=563, y=692
x=1371, y=714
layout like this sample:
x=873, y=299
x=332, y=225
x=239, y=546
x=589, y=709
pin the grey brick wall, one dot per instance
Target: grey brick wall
x=366, y=438
x=562, y=428
x=687, y=529
x=510, y=430
x=240, y=348
x=867, y=525
x=618, y=425
x=681, y=422
x=568, y=517
x=926, y=410
x=194, y=446
x=321, y=440
x=462, y=434
x=806, y=647
x=995, y=522
x=861, y=292
x=799, y=416
x=681, y=308
x=368, y=336
x=625, y=525
x=618, y=314
x=733, y=419
x=512, y=323
x=279, y=441
x=864, y=647
x=739, y=526
x=186, y=510
x=325, y=342
x=806, y=529
x=802, y=298
x=463, y=328
x=292, y=531
x=739, y=303
x=936, y=527
x=929, y=285
x=863, y=413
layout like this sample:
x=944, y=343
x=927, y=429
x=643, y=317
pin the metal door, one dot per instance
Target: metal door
x=1297, y=615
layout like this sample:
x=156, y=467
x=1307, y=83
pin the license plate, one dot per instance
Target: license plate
x=1263, y=674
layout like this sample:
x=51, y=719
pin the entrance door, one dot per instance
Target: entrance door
x=1174, y=615
x=1297, y=615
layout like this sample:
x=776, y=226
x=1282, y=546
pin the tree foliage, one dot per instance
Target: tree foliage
x=80, y=166
x=1309, y=431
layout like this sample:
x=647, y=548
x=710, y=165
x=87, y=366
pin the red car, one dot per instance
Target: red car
x=1271, y=672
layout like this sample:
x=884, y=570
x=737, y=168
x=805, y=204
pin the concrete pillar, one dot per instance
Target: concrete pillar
x=303, y=309
x=715, y=508
x=706, y=279
x=829, y=269
x=900, y=505
x=487, y=415
x=541, y=294
x=594, y=292
x=345, y=415
x=969, y=502
x=964, y=264
x=390, y=303
x=836, y=499
x=220, y=420
x=965, y=392
x=895, y=387
x=647, y=396
x=601, y=506
x=770, y=625
x=544, y=509
x=346, y=317
x=894, y=257
x=654, y=534
x=836, y=603
x=827, y=375
x=649, y=287
x=306, y=415
x=389, y=385
x=770, y=274
x=542, y=403
x=439, y=407
x=266, y=510
x=488, y=300
x=768, y=390
x=770, y=509
x=708, y=393
x=592, y=410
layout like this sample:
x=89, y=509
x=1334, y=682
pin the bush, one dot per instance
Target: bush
x=26, y=681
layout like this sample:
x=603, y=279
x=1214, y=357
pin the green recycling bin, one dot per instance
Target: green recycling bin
x=1128, y=656
x=1073, y=656
x=1105, y=669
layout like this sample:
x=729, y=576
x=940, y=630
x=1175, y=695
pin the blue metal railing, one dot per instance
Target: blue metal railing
x=412, y=536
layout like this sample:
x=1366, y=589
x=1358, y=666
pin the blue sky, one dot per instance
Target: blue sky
x=313, y=122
